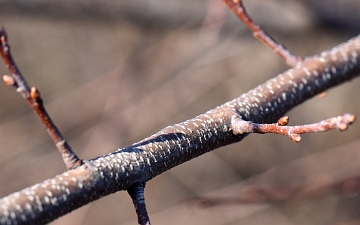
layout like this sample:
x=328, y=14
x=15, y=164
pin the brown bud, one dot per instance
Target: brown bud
x=351, y=118
x=3, y=37
x=34, y=93
x=283, y=121
x=9, y=80
x=342, y=126
x=296, y=137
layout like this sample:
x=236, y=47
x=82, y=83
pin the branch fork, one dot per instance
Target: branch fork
x=341, y=123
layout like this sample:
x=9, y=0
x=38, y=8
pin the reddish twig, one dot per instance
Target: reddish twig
x=240, y=126
x=239, y=10
x=34, y=99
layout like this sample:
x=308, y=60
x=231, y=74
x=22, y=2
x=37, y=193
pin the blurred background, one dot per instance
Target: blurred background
x=114, y=72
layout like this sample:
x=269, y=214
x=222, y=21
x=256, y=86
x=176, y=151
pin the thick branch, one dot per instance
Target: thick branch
x=179, y=143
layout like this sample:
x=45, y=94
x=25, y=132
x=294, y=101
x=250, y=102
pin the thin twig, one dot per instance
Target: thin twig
x=341, y=123
x=34, y=99
x=239, y=10
x=136, y=193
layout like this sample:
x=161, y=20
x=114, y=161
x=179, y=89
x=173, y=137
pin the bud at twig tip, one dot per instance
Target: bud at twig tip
x=352, y=118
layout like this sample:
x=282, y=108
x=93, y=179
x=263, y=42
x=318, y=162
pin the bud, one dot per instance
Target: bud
x=9, y=80
x=283, y=121
x=34, y=93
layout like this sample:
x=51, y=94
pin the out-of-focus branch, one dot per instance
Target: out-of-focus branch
x=252, y=193
x=239, y=9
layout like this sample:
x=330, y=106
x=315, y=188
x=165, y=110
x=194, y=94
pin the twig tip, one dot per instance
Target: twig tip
x=343, y=122
x=351, y=118
x=3, y=36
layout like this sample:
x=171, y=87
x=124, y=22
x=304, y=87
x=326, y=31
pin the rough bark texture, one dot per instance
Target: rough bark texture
x=179, y=143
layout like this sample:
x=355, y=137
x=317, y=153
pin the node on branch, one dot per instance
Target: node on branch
x=341, y=123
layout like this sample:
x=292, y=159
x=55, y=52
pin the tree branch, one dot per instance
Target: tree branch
x=238, y=8
x=32, y=96
x=173, y=145
x=341, y=123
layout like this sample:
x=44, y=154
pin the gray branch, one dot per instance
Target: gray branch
x=179, y=143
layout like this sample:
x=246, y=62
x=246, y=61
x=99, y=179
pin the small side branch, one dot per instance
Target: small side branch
x=34, y=99
x=137, y=195
x=341, y=123
x=238, y=8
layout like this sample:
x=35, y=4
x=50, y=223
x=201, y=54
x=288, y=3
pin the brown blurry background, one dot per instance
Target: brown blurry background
x=114, y=72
